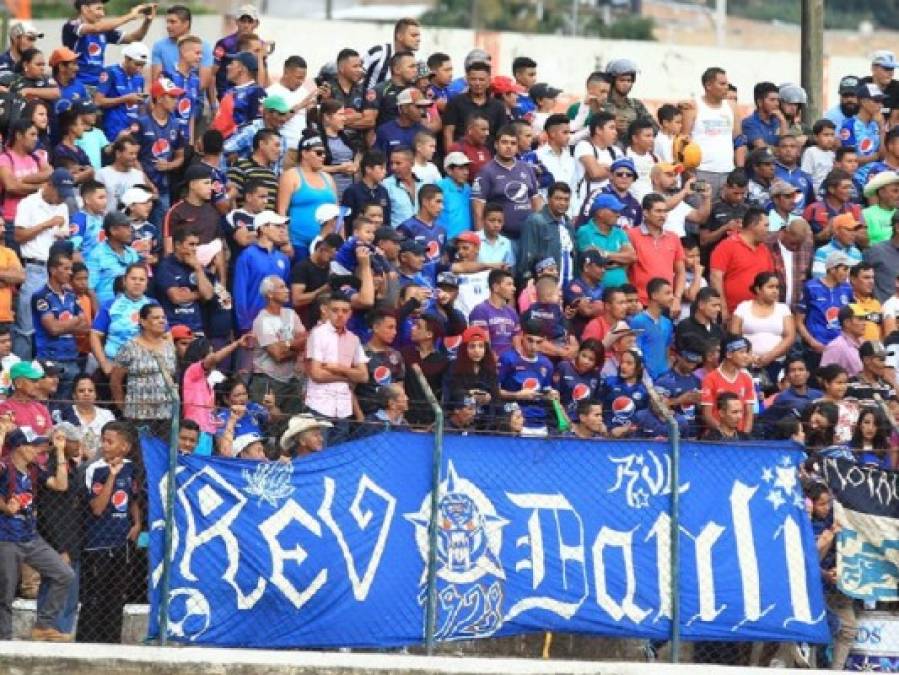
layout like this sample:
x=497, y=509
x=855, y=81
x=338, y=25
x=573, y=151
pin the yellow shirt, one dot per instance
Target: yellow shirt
x=874, y=320
x=8, y=260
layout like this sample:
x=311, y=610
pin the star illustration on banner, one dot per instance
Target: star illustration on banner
x=786, y=479
x=767, y=475
x=641, y=499
x=775, y=498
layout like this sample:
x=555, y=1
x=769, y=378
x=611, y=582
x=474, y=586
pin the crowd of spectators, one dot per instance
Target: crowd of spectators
x=296, y=261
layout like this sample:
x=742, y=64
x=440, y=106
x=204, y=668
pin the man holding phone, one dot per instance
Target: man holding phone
x=120, y=93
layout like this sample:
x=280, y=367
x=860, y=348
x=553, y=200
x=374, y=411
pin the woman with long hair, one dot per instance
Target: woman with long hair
x=834, y=383
x=578, y=379
x=66, y=153
x=252, y=418
x=871, y=439
x=38, y=112
x=767, y=324
x=474, y=373
x=85, y=414
x=624, y=394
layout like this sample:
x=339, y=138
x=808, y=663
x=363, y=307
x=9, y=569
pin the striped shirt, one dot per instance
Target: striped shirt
x=376, y=63
x=248, y=169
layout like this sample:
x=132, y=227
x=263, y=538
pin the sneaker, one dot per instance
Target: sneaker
x=47, y=634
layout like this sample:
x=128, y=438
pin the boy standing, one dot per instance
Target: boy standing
x=495, y=247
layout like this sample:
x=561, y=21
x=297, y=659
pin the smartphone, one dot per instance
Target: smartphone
x=699, y=186
x=147, y=11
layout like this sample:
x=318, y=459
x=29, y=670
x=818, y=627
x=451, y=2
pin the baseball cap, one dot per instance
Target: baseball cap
x=26, y=369
x=247, y=10
x=470, y=237
x=845, y=221
x=62, y=180
x=269, y=217
x=181, y=332
x=837, y=258
x=206, y=252
x=85, y=107
x=884, y=58
x=136, y=51
x=543, y=90
x=62, y=55
x=197, y=171
x=503, y=84
x=544, y=265
x=668, y=167
x=165, y=87
x=248, y=60
x=593, y=256
x=477, y=56
x=412, y=96
x=473, y=333
x=49, y=368
x=326, y=212
x=385, y=232
x=605, y=200
x=136, y=195
x=422, y=70
x=848, y=85
x=624, y=163
x=24, y=436
x=412, y=246
x=276, y=103
x=852, y=310
x=782, y=187
x=760, y=156
x=17, y=28
x=872, y=348
x=456, y=158
x=870, y=90
x=448, y=279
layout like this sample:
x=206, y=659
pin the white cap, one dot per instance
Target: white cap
x=136, y=51
x=136, y=195
x=326, y=212
x=206, y=252
x=268, y=218
x=17, y=28
x=456, y=158
x=242, y=442
x=247, y=10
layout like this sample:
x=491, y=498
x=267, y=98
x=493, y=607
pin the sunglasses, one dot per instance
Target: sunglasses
x=624, y=174
x=320, y=153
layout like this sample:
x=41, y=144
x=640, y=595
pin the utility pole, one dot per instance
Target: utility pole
x=329, y=9
x=720, y=23
x=574, y=17
x=812, y=53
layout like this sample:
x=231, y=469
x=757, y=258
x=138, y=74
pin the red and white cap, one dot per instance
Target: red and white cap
x=165, y=87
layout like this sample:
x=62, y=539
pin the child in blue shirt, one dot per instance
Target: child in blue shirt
x=137, y=202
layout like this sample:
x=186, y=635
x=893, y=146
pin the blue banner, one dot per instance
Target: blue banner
x=562, y=535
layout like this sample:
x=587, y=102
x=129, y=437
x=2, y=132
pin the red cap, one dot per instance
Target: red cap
x=181, y=332
x=165, y=87
x=470, y=237
x=473, y=333
x=503, y=84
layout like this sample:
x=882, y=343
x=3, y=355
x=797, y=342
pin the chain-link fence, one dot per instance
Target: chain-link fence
x=100, y=525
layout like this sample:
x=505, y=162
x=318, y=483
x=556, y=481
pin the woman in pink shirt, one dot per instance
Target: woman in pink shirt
x=197, y=395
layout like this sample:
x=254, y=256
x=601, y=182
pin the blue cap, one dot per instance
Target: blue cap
x=62, y=180
x=624, y=163
x=248, y=60
x=605, y=200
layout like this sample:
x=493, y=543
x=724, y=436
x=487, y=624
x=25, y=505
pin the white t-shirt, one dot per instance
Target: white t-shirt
x=643, y=163
x=426, y=173
x=817, y=163
x=787, y=256
x=663, y=148
x=117, y=182
x=562, y=167
x=33, y=210
x=676, y=220
x=713, y=133
x=473, y=290
x=763, y=332
x=293, y=128
x=270, y=329
x=890, y=307
x=582, y=185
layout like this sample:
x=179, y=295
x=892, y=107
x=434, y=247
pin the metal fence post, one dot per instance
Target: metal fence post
x=165, y=582
x=437, y=460
x=674, y=588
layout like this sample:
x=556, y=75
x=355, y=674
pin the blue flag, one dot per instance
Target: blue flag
x=533, y=534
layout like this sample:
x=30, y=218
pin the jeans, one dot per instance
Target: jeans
x=65, y=623
x=104, y=576
x=53, y=570
x=23, y=338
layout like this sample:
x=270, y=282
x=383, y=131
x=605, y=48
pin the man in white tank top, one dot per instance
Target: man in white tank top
x=711, y=122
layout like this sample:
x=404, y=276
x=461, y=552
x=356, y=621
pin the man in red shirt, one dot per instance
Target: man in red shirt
x=474, y=144
x=614, y=304
x=737, y=259
x=23, y=404
x=731, y=376
x=659, y=253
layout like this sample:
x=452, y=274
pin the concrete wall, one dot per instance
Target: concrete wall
x=668, y=72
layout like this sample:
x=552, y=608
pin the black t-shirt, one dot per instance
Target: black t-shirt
x=461, y=107
x=720, y=215
x=312, y=277
x=891, y=91
x=694, y=336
